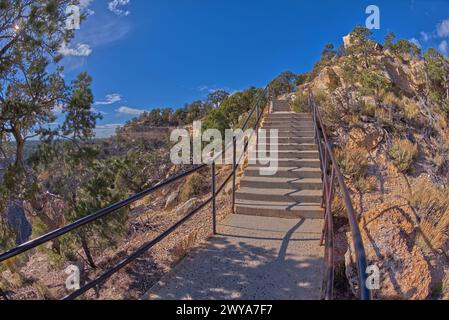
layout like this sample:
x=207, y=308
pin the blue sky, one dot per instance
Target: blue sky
x=144, y=54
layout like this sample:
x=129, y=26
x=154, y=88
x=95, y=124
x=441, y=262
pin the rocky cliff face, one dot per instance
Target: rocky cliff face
x=400, y=228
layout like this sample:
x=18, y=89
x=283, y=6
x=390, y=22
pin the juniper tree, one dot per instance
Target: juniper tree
x=31, y=85
x=437, y=73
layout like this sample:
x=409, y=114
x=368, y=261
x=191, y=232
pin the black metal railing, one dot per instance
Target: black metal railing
x=256, y=110
x=331, y=172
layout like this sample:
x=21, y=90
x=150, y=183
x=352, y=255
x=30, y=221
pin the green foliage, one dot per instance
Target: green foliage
x=437, y=70
x=217, y=119
x=403, y=153
x=327, y=55
x=401, y=47
x=231, y=110
x=80, y=120
x=282, y=84
x=215, y=98
x=362, y=47
x=168, y=118
x=85, y=184
x=373, y=84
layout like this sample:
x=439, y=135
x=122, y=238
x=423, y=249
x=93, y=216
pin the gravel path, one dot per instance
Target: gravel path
x=252, y=258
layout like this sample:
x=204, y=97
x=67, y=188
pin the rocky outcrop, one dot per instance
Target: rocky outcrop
x=188, y=206
x=389, y=236
x=172, y=199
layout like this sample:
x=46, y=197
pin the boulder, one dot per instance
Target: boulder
x=388, y=234
x=171, y=199
x=188, y=206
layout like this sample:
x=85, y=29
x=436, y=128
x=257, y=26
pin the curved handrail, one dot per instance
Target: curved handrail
x=124, y=203
x=327, y=157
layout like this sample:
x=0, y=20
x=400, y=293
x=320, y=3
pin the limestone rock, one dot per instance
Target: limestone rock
x=171, y=199
x=188, y=206
x=389, y=235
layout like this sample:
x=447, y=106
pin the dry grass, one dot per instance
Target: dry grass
x=195, y=185
x=353, y=162
x=301, y=103
x=403, y=153
x=432, y=205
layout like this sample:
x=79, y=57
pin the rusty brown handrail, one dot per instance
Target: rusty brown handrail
x=330, y=172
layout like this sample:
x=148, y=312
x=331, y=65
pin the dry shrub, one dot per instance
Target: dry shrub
x=195, y=185
x=411, y=110
x=431, y=204
x=391, y=99
x=353, y=162
x=183, y=248
x=403, y=153
x=301, y=103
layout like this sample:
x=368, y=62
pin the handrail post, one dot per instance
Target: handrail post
x=234, y=170
x=257, y=125
x=214, y=204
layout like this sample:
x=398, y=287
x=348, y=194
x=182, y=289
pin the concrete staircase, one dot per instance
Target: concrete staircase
x=295, y=191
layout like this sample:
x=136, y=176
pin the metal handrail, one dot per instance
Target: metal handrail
x=119, y=205
x=331, y=171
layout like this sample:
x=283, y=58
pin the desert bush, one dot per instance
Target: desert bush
x=301, y=103
x=431, y=204
x=368, y=109
x=353, y=162
x=411, y=110
x=182, y=249
x=195, y=185
x=403, y=153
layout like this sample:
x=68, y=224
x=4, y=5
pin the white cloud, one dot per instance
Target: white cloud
x=444, y=47
x=443, y=29
x=114, y=6
x=85, y=3
x=416, y=41
x=130, y=111
x=110, y=99
x=81, y=50
x=58, y=108
x=425, y=36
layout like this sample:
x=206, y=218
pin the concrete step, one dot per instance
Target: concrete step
x=289, y=134
x=305, y=132
x=300, y=163
x=290, y=115
x=287, y=127
x=287, y=210
x=281, y=183
x=281, y=105
x=287, y=172
x=283, y=140
x=290, y=123
x=293, y=154
x=287, y=195
x=290, y=146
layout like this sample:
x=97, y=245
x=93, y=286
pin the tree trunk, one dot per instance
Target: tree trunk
x=20, y=148
x=87, y=252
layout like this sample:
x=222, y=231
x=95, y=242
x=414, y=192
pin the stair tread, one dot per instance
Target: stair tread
x=282, y=180
x=289, y=206
x=281, y=192
x=291, y=169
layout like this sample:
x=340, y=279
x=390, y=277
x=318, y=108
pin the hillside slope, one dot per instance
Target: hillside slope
x=387, y=108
